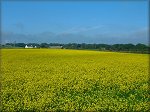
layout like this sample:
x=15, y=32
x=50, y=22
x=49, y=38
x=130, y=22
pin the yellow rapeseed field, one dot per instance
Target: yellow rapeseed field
x=74, y=80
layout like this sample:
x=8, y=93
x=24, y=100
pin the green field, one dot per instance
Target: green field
x=61, y=80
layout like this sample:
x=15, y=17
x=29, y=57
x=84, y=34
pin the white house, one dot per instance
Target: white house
x=28, y=46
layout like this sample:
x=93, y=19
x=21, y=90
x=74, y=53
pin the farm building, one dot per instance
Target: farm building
x=30, y=46
x=56, y=47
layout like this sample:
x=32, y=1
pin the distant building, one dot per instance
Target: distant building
x=103, y=49
x=56, y=47
x=28, y=46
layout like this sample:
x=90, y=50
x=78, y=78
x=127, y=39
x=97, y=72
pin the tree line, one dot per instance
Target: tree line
x=138, y=48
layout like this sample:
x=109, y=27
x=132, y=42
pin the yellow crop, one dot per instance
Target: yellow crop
x=74, y=80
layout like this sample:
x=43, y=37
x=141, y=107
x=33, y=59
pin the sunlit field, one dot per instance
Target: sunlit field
x=62, y=80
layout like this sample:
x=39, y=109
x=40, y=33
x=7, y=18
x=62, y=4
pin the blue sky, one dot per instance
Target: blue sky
x=64, y=22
